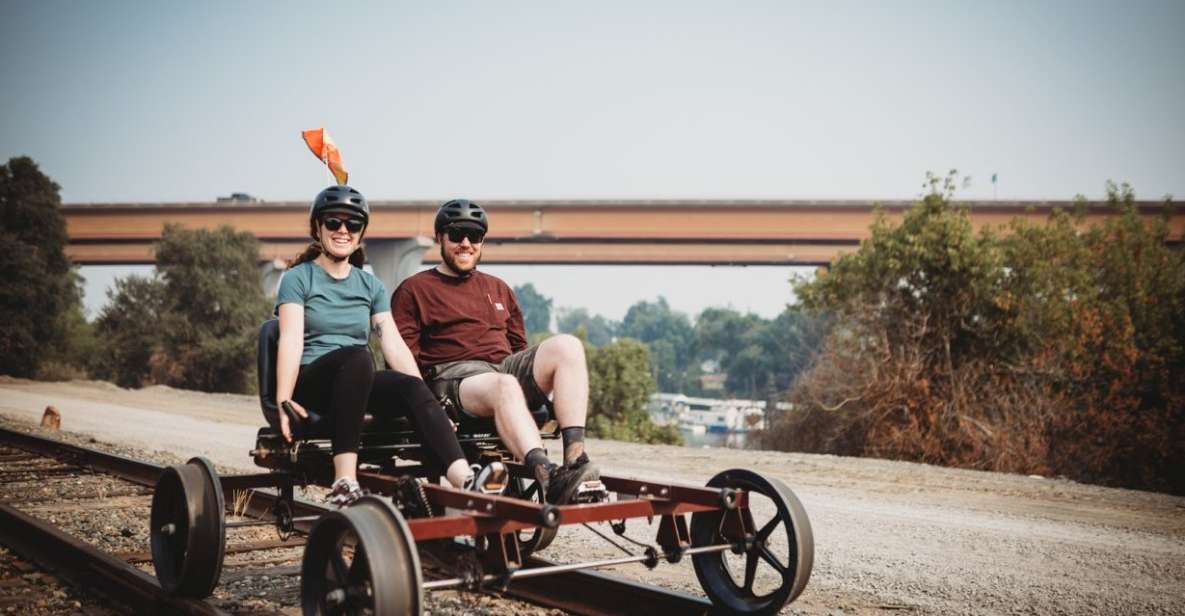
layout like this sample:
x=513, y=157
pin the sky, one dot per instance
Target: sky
x=170, y=101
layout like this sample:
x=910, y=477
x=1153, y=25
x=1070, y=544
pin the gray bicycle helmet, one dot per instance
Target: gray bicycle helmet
x=340, y=199
x=460, y=210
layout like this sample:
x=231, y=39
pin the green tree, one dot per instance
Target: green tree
x=720, y=332
x=536, y=309
x=212, y=307
x=670, y=337
x=40, y=288
x=598, y=330
x=619, y=389
x=130, y=328
x=761, y=357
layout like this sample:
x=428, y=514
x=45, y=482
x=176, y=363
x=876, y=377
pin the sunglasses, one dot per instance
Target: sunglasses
x=353, y=225
x=457, y=234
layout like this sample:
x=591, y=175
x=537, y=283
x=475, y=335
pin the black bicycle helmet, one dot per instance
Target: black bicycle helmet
x=460, y=210
x=340, y=199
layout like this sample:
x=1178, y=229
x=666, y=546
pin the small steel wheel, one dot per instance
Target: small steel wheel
x=530, y=540
x=772, y=567
x=361, y=560
x=188, y=529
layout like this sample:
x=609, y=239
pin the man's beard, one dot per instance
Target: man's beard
x=451, y=262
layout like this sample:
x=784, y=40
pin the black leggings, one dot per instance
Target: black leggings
x=399, y=395
x=343, y=384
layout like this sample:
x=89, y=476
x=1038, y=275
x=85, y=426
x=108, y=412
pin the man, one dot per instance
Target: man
x=466, y=332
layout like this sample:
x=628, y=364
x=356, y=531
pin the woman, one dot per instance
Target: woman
x=327, y=304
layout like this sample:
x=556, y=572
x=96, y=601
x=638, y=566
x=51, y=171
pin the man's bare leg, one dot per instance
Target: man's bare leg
x=561, y=369
x=499, y=396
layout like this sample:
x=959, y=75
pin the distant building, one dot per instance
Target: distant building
x=239, y=198
x=712, y=382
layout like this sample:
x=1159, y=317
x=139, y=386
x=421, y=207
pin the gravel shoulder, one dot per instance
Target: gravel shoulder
x=890, y=537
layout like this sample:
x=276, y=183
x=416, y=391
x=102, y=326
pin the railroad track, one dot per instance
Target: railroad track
x=82, y=514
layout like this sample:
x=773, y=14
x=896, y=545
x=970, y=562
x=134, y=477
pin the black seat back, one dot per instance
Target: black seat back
x=317, y=425
x=269, y=339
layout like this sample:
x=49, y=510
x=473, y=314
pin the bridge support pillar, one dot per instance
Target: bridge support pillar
x=269, y=276
x=394, y=260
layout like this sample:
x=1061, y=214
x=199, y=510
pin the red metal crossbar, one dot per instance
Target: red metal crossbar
x=485, y=513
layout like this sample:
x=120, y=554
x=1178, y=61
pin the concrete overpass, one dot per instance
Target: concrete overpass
x=720, y=232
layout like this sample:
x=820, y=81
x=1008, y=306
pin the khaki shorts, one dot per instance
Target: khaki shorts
x=445, y=379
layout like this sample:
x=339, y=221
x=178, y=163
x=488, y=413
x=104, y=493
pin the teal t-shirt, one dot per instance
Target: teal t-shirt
x=336, y=312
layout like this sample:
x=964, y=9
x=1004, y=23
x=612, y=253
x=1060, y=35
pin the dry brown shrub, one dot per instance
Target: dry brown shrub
x=862, y=399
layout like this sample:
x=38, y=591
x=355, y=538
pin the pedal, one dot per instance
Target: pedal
x=492, y=478
x=591, y=492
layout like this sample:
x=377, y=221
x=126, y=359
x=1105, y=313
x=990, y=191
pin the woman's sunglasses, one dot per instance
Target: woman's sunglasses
x=457, y=234
x=353, y=225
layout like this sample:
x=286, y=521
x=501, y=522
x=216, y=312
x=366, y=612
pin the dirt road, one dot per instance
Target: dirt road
x=890, y=537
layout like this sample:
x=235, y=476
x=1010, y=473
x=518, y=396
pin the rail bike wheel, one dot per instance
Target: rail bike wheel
x=188, y=529
x=774, y=567
x=361, y=560
x=530, y=540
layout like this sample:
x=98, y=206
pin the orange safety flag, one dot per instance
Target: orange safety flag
x=326, y=150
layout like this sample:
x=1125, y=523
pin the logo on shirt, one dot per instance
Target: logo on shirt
x=498, y=306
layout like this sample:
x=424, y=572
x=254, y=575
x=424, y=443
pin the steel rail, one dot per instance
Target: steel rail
x=136, y=471
x=85, y=566
x=78, y=562
x=589, y=593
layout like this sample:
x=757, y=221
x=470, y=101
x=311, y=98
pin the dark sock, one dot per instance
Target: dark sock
x=573, y=443
x=534, y=458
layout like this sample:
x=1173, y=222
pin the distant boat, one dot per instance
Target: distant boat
x=700, y=415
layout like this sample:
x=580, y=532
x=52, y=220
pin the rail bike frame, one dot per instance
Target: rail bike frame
x=366, y=556
x=492, y=535
x=498, y=519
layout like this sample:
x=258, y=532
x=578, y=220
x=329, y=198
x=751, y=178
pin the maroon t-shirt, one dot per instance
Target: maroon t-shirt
x=443, y=318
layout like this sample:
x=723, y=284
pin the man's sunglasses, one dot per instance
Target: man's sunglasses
x=457, y=234
x=353, y=225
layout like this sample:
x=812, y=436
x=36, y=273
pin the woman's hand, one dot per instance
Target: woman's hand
x=285, y=425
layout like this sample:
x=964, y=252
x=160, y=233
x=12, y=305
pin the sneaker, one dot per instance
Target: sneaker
x=543, y=474
x=344, y=492
x=576, y=482
x=491, y=479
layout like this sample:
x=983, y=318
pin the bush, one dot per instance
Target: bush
x=620, y=385
x=1054, y=348
x=53, y=370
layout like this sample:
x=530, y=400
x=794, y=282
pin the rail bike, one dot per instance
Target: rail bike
x=747, y=536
